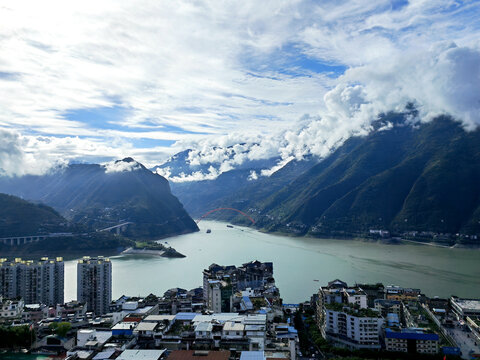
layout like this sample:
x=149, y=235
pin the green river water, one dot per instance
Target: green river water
x=301, y=265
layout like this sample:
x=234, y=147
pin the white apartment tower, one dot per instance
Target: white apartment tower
x=36, y=282
x=94, y=283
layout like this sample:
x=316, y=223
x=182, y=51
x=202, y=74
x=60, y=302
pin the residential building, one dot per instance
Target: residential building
x=393, y=292
x=385, y=306
x=11, y=309
x=352, y=328
x=338, y=292
x=34, y=312
x=373, y=291
x=253, y=275
x=219, y=296
x=344, y=318
x=36, y=282
x=465, y=307
x=73, y=310
x=355, y=296
x=94, y=283
x=411, y=340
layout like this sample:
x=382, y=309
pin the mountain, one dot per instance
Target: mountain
x=201, y=193
x=99, y=196
x=186, y=163
x=237, y=189
x=411, y=177
x=19, y=217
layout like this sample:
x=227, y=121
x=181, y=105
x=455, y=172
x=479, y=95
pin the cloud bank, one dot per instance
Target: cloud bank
x=94, y=82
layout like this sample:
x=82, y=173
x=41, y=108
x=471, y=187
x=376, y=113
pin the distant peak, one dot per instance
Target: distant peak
x=126, y=164
x=127, y=160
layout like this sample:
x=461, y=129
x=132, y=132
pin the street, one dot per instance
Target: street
x=465, y=340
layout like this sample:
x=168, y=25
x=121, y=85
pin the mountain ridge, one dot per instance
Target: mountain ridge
x=405, y=177
x=100, y=196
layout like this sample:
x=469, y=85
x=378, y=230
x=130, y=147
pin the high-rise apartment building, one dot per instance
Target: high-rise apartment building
x=36, y=282
x=94, y=283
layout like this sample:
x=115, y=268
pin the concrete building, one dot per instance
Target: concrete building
x=94, y=283
x=352, y=328
x=73, y=310
x=344, y=318
x=393, y=292
x=411, y=341
x=384, y=307
x=219, y=296
x=253, y=275
x=11, y=309
x=36, y=282
x=355, y=296
x=465, y=307
x=338, y=292
x=35, y=312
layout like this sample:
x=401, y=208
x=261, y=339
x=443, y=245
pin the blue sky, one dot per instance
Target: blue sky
x=91, y=81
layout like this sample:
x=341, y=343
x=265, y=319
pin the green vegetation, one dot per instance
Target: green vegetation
x=353, y=310
x=404, y=179
x=421, y=178
x=12, y=337
x=147, y=245
x=92, y=198
x=19, y=217
x=60, y=328
x=258, y=303
x=70, y=246
x=309, y=334
x=151, y=245
x=177, y=328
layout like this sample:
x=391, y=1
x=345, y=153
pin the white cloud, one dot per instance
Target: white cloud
x=121, y=166
x=219, y=74
x=211, y=174
x=15, y=160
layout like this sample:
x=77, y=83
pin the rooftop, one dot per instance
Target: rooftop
x=141, y=354
x=198, y=355
x=410, y=333
x=146, y=326
x=204, y=326
x=233, y=326
x=469, y=304
x=104, y=354
x=351, y=311
x=124, y=326
x=185, y=316
x=220, y=317
x=159, y=318
x=252, y=355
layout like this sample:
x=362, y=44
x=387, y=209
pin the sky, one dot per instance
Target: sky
x=95, y=81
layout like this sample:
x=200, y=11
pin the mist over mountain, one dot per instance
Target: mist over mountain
x=210, y=162
x=403, y=176
x=105, y=195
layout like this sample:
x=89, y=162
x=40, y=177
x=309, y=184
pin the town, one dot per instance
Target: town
x=237, y=313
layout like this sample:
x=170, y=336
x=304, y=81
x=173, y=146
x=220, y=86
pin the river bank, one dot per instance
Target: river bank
x=298, y=261
x=391, y=240
x=168, y=252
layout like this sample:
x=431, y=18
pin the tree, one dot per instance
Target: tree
x=60, y=328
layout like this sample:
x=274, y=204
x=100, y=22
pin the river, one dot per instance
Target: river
x=300, y=265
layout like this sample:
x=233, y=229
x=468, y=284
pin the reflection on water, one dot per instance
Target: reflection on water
x=297, y=263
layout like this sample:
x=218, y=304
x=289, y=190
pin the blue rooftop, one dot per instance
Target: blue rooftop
x=252, y=355
x=410, y=334
x=185, y=316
